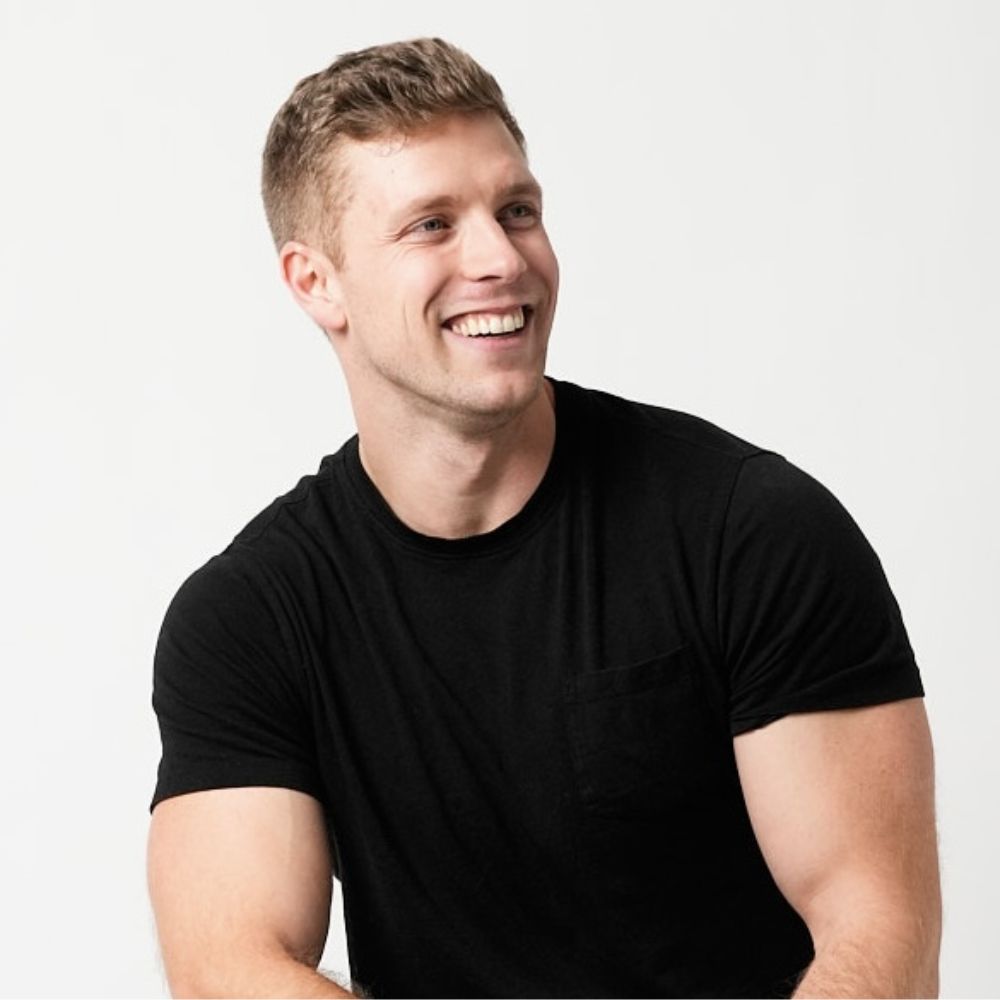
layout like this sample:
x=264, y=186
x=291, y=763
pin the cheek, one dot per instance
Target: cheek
x=414, y=280
x=543, y=259
x=548, y=267
x=555, y=273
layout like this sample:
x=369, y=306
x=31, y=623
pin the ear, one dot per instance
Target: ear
x=314, y=284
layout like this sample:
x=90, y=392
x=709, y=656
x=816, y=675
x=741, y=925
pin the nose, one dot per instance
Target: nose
x=488, y=252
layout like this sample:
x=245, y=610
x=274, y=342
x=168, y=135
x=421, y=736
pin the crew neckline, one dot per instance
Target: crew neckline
x=512, y=531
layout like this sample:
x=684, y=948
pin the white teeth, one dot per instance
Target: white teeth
x=490, y=323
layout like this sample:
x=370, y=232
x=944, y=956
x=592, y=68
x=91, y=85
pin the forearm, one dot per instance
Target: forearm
x=867, y=964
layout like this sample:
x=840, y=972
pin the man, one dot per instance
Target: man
x=576, y=696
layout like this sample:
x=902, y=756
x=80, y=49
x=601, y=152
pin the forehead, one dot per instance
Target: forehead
x=459, y=157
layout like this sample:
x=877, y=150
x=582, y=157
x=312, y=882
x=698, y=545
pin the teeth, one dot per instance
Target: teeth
x=489, y=323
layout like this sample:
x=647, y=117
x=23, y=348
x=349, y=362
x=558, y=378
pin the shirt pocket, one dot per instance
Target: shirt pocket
x=640, y=736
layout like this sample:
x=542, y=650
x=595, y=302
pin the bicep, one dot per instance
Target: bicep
x=236, y=873
x=842, y=805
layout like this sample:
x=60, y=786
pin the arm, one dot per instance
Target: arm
x=842, y=804
x=240, y=883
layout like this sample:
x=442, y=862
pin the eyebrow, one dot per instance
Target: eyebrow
x=424, y=204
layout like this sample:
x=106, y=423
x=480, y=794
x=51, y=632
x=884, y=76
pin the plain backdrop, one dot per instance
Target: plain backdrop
x=781, y=216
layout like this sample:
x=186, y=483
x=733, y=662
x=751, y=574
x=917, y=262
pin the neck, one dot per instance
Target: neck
x=452, y=483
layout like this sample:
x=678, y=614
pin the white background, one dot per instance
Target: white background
x=781, y=216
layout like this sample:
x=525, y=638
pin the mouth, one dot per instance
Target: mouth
x=508, y=325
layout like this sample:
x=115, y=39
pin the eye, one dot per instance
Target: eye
x=521, y=213
x=436, y=222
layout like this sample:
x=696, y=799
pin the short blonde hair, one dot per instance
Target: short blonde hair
x=382, y=91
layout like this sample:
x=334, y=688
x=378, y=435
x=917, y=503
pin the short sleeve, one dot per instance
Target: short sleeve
x=226, y=687
x=807, y=620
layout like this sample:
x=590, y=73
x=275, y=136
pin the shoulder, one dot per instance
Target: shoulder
x=656, y=450
x=606, y=416
x=754, y=488
x=248, y=572
x=307, y=504
x=771, y=493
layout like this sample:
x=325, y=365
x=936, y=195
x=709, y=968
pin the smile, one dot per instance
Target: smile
x=489, y=324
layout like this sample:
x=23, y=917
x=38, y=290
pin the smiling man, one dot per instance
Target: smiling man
x=576, y=696
x=444, y=368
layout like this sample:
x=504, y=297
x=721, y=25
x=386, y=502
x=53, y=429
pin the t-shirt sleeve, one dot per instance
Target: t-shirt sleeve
x=807, y=620
x=227, y=691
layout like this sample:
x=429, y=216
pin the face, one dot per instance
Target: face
x=443, y=239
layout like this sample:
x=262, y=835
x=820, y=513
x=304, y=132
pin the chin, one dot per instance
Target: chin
x=503, y=394
x=474, y=400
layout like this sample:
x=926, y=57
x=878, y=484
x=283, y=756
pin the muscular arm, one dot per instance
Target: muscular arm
x=842, y=804
x=240, y=883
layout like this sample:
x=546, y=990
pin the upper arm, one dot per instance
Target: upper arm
x=237, y=874
x=842, y=805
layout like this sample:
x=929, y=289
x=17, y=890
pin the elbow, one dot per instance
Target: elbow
x=891, y=951
x=196, y=984
x=215, y=978
x=255, y=976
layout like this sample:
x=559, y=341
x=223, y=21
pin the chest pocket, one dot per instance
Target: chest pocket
x=642, y=741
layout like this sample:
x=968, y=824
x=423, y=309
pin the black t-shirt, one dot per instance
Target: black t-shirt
x=522, y=740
